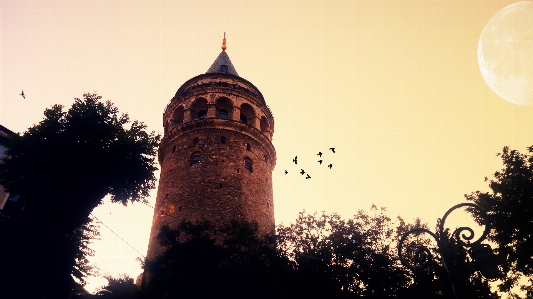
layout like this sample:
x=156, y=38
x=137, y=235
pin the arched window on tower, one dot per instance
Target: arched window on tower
x=196, y=160
x=247, y=114
x=198, y=108
x=264, y=124
x=224, y=107
x=195, y=141
x=248, y=147
x=248, y=164
x=223, y=140
x=202, y=114
x=223, y=68
x=223, y=113
x=178, y=114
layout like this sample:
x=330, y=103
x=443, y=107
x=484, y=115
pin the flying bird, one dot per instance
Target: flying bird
x=307, y=177
x=295, y=160
x=286, y=172
x=332, y=149
x=320, y=161
x=330, y=165
x=302, y=172
x=319, y=154
x=22, y=94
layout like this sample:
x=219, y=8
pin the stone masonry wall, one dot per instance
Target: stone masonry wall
x=219, y=189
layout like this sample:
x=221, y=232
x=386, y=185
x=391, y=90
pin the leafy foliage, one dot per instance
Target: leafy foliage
x=121, y=287
x=348, y=258
x=317, y=256
x=314, y=257
x=62, y=168
x=198, y=265
x=509, y=207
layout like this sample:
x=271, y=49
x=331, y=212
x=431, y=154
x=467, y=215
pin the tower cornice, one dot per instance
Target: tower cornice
x=217, y=79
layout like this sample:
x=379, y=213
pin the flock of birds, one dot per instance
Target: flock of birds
x=302, y=172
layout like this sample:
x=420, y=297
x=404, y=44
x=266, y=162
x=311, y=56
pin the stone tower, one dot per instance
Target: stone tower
x=216, y=154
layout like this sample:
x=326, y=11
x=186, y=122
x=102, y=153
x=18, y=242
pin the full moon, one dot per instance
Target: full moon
x=505, y=53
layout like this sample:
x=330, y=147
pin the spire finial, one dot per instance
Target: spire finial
x=224, y=42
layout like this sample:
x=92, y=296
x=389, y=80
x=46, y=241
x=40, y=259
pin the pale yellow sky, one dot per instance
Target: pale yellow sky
x=394, y=86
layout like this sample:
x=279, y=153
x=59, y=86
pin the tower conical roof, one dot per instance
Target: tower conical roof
x=221, y=61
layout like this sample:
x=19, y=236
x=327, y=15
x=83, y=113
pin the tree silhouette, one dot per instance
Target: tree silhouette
x=509, y=207
x=198, y=264
x=316, y=256
x=345, y=258
x=313, y=257
x=121, y=287
x=62, y=168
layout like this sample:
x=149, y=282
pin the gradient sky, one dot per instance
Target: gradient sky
x=394, y=86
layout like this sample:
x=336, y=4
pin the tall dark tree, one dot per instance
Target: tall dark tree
x=509, y=206
x=62, y=168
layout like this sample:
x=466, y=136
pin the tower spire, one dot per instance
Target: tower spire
x=224, y=42
x=222, y=64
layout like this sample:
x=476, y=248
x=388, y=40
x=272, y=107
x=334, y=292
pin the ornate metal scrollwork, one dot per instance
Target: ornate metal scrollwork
x=459, y=233
x=422, y=256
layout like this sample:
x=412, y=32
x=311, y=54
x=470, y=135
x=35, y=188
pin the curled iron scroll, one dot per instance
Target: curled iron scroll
x=422, y=256
x=459, y=234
